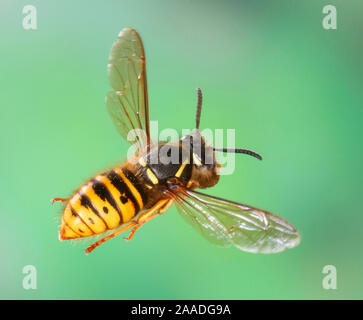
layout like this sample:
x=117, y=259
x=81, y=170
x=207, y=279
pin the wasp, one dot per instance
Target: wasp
x=139, y=190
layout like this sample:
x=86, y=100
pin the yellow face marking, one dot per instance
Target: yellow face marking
x=181, y=168
x=196, y=160
x=142, y=162
x=152, y=176
x=131, y=187
x=192, y=184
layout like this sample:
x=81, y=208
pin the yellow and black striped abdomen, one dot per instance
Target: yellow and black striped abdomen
x=101, y=204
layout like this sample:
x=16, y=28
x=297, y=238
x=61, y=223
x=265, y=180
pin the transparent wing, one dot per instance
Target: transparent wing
x=127, y=103
x=203, y=221
x=223, y=222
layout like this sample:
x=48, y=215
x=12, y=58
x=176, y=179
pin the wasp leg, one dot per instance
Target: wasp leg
x=112, y=235
x=158, y=209
x=146, y=216
x=59, y=199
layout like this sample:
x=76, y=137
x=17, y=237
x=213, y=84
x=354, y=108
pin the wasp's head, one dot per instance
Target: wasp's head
x=205, y=171
x=205, y=165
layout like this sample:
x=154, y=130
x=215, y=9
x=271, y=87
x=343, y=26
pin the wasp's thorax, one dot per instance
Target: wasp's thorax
x=190, y=162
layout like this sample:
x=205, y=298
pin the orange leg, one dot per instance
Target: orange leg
x=59, y=199
x=158, y=208
x=145, y=218
x=112, y=235
x=130, y=236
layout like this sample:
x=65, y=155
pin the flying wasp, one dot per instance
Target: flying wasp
x=131, y=194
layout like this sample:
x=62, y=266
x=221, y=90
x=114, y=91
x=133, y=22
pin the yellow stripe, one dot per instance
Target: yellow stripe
x=76, y=223
x=66, y=232
x=131, y=187
x=112, y=218
x=87, y=215
x=127, y=209
x=152, y=176
x=181, y=169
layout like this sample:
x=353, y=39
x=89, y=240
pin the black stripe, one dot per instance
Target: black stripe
x=102, y=191
x=121, y=186
x=135, y=182
x=75, y=213
x=87, y=203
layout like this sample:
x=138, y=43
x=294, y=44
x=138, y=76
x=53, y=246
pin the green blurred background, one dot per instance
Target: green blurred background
x=291, y=89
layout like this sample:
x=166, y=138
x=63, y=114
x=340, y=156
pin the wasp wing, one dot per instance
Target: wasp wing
x=204, y=222
x=223, y=222
x=127, y=103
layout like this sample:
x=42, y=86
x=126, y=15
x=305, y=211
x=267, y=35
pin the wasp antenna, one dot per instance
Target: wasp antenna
x=199, y=107
x=245, y=151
